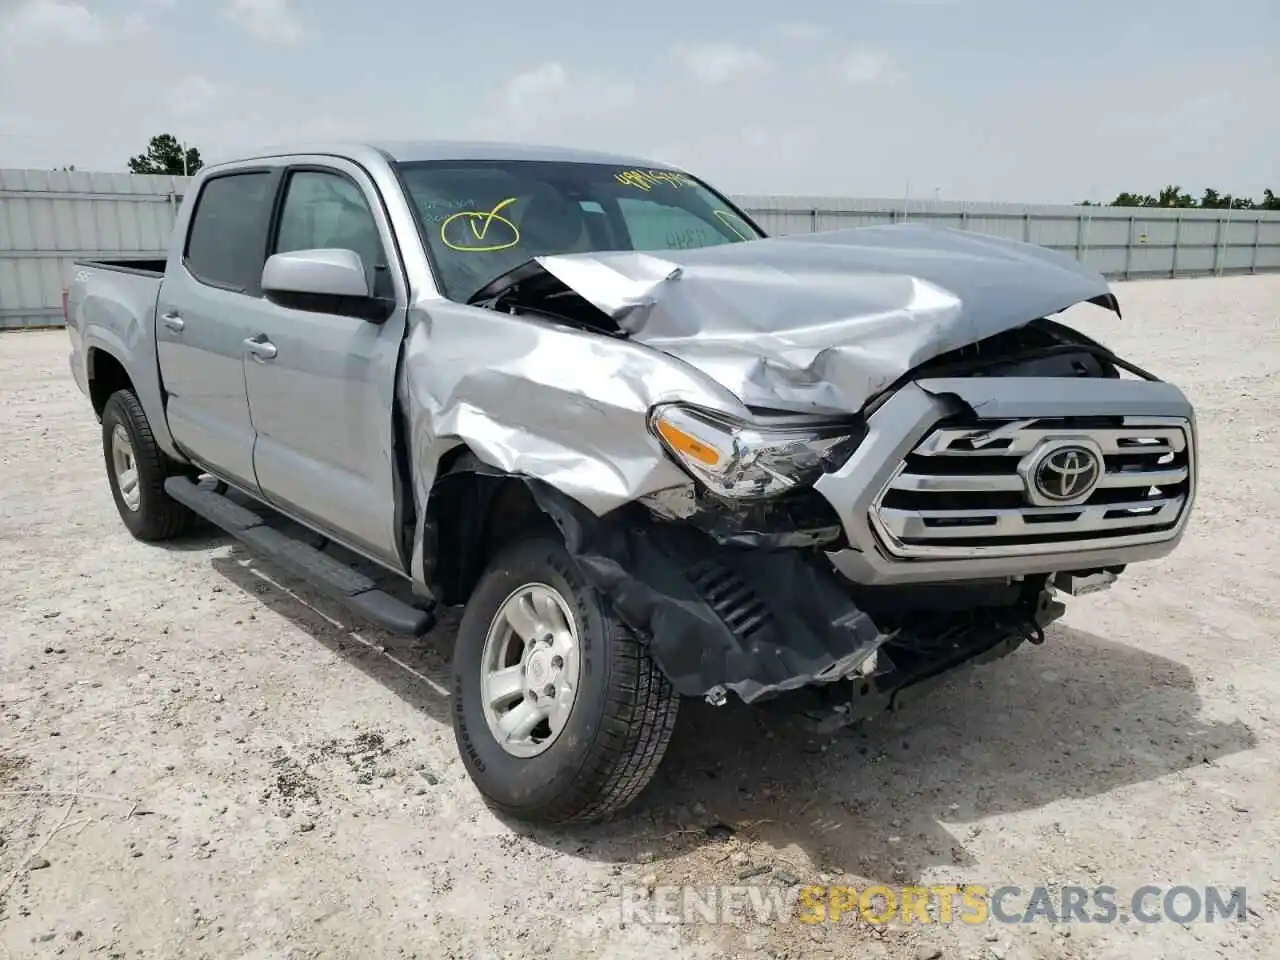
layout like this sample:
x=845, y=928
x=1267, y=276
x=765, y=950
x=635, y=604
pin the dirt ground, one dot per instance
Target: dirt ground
x=200, y=758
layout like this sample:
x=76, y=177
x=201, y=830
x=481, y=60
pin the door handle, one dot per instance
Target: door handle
x=261, y=349
x=173, y=321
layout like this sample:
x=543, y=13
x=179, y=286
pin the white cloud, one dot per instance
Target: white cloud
x=523, y=89
x=865, y=66
x=43, y=22
x=720, y=62
x=802, y=30
x=191, y=96
x=537, y=102
x=268, y=20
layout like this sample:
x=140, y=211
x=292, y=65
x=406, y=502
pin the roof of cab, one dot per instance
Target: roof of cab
x=410, y=151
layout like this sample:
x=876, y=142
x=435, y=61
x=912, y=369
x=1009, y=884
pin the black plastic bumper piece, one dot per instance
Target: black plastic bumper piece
x=923, y=660
x=718, y=619
x=335, y=579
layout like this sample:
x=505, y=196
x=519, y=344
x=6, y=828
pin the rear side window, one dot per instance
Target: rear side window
x=227, y=242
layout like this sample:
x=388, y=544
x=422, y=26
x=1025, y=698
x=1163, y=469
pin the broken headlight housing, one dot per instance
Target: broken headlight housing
x=751, y=460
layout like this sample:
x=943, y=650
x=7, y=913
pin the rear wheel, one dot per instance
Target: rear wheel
x=136, y=471
x=559, y=712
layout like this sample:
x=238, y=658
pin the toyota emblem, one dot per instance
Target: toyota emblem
x=1066, y=474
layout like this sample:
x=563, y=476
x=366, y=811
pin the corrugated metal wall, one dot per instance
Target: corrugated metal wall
x=1121, y=242
x=50, y=219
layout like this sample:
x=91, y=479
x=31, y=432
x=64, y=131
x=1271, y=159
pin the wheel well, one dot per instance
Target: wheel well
x=470, y=517
x=106, y=376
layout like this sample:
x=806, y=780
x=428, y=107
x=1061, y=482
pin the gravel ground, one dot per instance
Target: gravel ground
x=200, y=758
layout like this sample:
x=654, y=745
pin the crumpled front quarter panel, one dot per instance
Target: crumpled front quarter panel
x=537, y=400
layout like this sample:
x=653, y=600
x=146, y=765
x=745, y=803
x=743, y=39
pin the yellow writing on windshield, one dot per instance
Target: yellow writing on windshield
x=473, y=231
x=735, y=223
x=648, y=179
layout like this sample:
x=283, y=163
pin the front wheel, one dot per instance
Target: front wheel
x=559, y=712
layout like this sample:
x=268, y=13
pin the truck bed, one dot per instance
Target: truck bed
x=116, y=299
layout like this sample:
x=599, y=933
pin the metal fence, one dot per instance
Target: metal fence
x=1123, y=243
x=50, y=219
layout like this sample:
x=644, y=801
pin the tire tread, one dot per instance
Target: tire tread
x=636, y=730
x=161, y=517
x=638, y=716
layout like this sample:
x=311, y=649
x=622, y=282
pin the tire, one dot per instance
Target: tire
x=148, y=512
x=621, y=717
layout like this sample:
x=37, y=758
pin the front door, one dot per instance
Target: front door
x=321, y=385
x=200, y=322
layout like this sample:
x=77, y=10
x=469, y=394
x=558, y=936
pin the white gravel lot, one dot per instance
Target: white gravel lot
x=196, y=761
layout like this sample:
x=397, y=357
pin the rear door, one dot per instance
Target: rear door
x=322, y=385
x=204, y=306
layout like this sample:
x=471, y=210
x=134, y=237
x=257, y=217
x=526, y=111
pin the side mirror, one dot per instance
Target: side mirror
x=318, y=273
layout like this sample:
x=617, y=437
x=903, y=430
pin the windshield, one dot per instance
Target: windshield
x=481, y=218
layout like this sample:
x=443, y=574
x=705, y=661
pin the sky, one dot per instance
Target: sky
x=1014, y=100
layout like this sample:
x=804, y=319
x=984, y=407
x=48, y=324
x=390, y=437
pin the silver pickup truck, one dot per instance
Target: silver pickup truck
x=652, y=452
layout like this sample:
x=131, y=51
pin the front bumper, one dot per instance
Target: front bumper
x=1088, y=409
x=757, y=622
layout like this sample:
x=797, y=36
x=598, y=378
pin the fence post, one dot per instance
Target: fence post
x=1217, y=246
x=1128, y=248
x=1177, y=242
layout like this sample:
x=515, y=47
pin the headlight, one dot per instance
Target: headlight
x=746, y=460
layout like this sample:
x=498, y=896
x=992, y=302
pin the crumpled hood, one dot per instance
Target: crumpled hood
x=823, y=322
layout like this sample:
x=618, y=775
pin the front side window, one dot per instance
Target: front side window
x=228, y=230
x=481, y=218
x=327, y=211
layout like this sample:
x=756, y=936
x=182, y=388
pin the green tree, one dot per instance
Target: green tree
x=1172, y=196
x=1213, y=200
x=1134, y=200
x=165, y=155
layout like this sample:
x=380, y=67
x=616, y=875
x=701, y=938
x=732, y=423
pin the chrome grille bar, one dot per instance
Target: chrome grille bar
x=943, y=483
x=1033, y=521
x=953, y=442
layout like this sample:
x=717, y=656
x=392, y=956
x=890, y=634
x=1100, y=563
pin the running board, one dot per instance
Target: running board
x=335, y=579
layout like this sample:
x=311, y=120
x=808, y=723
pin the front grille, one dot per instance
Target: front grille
x=969, y=489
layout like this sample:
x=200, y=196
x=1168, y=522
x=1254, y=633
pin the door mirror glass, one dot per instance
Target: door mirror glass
x=319, y=273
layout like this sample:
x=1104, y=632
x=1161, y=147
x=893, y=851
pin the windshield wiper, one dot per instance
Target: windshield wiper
x=505, y=281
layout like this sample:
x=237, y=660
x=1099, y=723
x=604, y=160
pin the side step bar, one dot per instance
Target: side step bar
x=336, y=580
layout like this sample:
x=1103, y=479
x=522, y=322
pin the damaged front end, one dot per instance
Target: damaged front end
x=726, y=610
x=739, y=447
